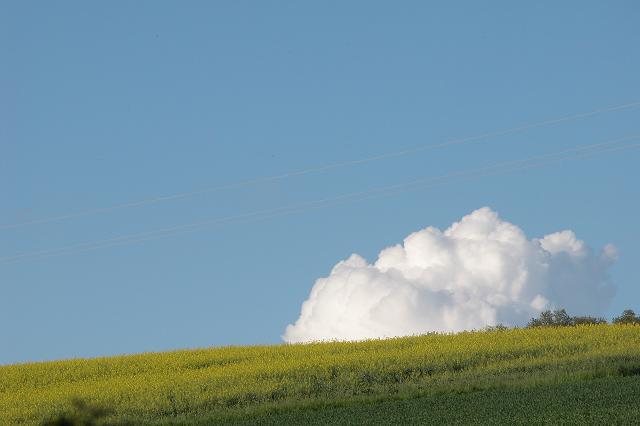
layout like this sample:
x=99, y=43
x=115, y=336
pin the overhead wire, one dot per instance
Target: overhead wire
x=318, y=169
x=578, y=152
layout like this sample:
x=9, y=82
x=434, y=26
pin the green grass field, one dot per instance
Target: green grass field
x=565, y=375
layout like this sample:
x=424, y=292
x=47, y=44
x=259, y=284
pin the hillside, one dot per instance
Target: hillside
x=585, y=374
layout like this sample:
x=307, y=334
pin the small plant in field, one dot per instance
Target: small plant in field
x=82, y=414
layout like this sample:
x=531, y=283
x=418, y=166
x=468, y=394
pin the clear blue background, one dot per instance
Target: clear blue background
x=110, y=102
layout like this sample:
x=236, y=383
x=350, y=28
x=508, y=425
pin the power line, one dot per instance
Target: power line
x=327, y=167
x=385, y=191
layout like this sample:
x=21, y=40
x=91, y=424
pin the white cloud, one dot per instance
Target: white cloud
x=480, y=271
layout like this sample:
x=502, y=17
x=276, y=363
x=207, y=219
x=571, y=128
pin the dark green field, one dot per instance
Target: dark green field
x=603, y=401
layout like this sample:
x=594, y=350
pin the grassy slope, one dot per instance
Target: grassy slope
x=572, y=375
x=608, y=400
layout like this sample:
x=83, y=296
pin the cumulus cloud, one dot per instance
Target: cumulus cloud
x=480, y=271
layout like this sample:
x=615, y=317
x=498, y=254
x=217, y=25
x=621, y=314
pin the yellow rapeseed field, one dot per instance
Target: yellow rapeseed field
x=190, y=384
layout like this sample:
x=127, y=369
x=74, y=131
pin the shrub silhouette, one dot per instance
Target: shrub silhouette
x=627, y=317
x=498, y=327
x=547, y=318
x=588, y=320
x=560, y=318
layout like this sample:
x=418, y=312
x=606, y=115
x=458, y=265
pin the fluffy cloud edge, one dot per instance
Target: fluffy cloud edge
x=480, y=271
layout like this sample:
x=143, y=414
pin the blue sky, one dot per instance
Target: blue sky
x=114, y=102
